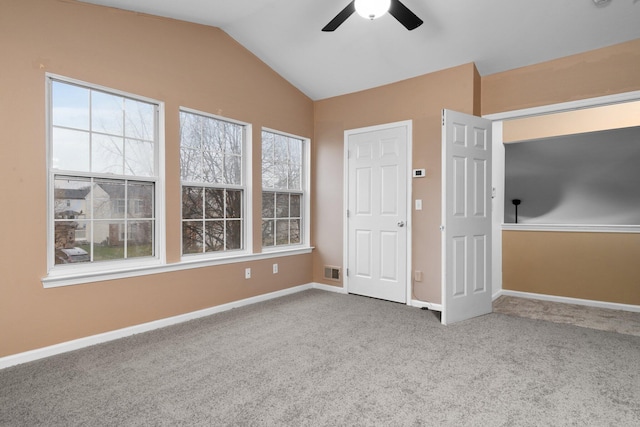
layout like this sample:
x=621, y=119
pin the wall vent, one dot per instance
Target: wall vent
x=332, y=273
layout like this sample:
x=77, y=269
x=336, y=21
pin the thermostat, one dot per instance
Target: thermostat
x=419, y=173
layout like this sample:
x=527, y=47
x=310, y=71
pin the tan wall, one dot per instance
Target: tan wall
x=421, y=100
x=597, y=266
x=179, y=63
x=595, y=119
x=594, y=266
x=600, y=72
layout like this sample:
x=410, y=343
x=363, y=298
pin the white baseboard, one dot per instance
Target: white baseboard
x=40, y=353
x=568, y=300
x=52, y=350
x=343, y=290
x=329, y=288
x=429, y=305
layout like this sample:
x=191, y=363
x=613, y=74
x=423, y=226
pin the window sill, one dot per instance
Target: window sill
x=575, y=228
x=58, y=279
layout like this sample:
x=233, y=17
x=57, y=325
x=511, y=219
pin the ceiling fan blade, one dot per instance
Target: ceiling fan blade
x=341, y=17
x=404, y=15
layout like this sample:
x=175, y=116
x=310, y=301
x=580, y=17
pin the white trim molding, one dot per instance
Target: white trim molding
x=76, y=279
x=569, y=300
x=566, y=106
x=425, y=304
x=572, y=228
x=330, y=288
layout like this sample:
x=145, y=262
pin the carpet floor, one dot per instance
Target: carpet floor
x=604, y=319
x=317, y=358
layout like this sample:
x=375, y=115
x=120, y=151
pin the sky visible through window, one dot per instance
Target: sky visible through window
x=93, y=131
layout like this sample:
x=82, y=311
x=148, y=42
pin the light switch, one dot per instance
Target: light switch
x=418, y=204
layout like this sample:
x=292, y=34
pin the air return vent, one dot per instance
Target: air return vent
x=332, y=273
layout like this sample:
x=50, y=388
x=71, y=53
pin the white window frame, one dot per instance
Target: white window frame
x=246, y=187
x=68, y=275
x=59, y=275
x=305, y=184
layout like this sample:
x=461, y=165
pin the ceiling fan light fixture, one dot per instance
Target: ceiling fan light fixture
x=372, y=9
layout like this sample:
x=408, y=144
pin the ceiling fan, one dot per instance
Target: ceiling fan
x=372, y=9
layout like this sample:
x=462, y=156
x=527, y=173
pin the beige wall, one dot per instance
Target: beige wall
x=600, y=266
x=421, y=100
x=588, y=75
x=593, y=266
x=179, y=63
x=595, y=119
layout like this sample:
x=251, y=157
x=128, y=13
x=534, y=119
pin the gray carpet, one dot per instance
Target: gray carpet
x=318, y=358
x=604, y=319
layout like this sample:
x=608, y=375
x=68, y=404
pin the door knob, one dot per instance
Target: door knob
x=400, y=223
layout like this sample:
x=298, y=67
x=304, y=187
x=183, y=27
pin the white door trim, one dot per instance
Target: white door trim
x=499, y=161
x=345, y=201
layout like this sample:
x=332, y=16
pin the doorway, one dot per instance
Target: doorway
x=499, y=162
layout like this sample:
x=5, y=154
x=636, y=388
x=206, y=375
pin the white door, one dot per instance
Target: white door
x=466, y=216
x=377, y=212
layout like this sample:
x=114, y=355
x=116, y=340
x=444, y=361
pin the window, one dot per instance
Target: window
x=283, y=189
x=213, y=192
x=103, y=153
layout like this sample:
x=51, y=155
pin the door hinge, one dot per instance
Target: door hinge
x=347, y=272
x=348, y=214
x=442, y=228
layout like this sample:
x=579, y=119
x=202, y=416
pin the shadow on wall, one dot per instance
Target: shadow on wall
x=589, y=178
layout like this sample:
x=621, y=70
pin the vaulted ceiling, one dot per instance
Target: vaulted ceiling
x=497, y=35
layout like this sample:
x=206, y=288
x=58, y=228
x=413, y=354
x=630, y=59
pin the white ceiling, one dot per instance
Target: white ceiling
x=497, y=35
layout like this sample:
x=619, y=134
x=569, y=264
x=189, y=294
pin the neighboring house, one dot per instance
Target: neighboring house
x=110, y=207
x=70, y=204
x=104, y=224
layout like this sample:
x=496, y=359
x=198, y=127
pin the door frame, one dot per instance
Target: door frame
x=499, y=163
x=408, y=124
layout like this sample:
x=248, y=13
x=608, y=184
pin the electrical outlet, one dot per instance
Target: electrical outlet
x=417, y=276
x=247, y=273
x=275, y=268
